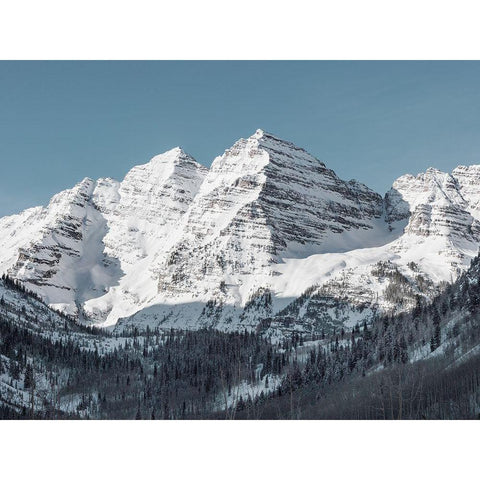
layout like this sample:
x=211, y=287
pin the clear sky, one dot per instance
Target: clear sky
x=373, y=121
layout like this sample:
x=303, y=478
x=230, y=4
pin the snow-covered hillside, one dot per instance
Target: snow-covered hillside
x=267, y=234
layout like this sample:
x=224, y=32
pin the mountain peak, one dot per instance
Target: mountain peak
x=165, y=164
x=261, y=134
x=258, y=133
x=174, y=155
x=264, y=136
x=175, y=151
x=86, y=180
x=462, y=169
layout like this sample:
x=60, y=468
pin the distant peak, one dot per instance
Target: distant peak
x=463, y=168
x=259, y=133
x=85, y=183
x=174, y=155
x=177, y=151
x=431, y=173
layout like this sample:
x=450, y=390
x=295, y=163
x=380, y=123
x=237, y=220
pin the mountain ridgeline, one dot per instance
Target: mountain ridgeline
x=268, y=239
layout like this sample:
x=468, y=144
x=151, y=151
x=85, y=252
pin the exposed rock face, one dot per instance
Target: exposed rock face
x=56, y=248
x=151, y=200
x=435, y=204
x=267, y=236
x=263, y=200
x=468, y=179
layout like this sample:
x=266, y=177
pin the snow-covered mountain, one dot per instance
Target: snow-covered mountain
x=264, y=200
x=57, y=250
x=100, y=236
x=268, y=235
x=142, y=221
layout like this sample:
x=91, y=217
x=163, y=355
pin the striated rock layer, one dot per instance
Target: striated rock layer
x=263, y=200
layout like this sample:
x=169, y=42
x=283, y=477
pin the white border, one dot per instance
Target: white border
x=250, y=29
x=238, y=450
x=362, y=29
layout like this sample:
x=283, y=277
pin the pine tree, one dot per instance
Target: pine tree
x=28, y=379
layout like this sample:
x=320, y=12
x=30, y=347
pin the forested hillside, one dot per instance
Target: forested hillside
x=418, y=365
x=51, y=367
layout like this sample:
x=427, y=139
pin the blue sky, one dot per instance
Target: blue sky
x=373, y=121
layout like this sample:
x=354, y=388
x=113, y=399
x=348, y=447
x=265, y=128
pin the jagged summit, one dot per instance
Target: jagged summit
x=462, y=170
x=174, y=154
x=277, y=144
x=263, y=151
x=172, y=157
x=86, y=181
x=259, y=133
